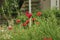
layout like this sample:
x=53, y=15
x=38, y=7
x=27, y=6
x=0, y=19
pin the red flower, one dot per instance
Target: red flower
x=18, y=21
x=45, y=38
x=27, y=21
x=50, y=38
x=10, y=28
x=24, y=24
x=39, y=14
x=33, y=19
x=28, y=14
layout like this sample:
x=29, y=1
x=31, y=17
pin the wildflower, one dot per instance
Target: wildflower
x=24, y=24
x=38, y=13
x=45, y=38
x=18, y=21
x=10, y=28
x=27, y=21
x=33, y=19
x=50, y=38
x=28, y=14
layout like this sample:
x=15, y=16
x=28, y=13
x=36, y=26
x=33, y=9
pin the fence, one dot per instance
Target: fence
x=41, y=4
x=35, y=5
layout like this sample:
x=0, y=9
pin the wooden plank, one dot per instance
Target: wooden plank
x=35, y=4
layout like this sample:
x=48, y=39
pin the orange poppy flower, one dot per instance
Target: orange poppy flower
x=38, y=13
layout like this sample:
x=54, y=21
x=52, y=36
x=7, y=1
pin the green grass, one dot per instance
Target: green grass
x=48, y=27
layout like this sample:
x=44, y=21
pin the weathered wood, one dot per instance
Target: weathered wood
x=35, y=5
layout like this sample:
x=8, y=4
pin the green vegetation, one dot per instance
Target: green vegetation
x=47, y=25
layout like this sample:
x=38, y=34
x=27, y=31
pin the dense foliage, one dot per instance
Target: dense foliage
x=45, y=24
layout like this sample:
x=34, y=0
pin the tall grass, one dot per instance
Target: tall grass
x=49, y=27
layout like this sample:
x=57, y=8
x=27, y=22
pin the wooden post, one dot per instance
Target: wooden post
x=30, y=11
